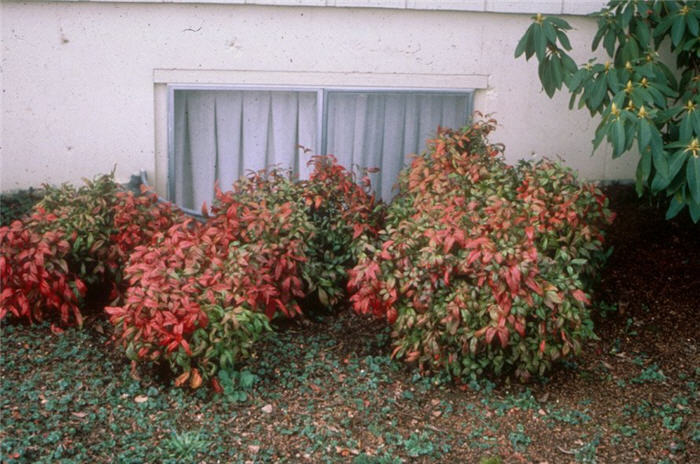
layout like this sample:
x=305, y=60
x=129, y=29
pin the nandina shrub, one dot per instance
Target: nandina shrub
x=202, y=293
x=136, y=219
x=186, y=305
x=264, y=212
x=483, y=267
x=58, y=252
x=34, y=275
x=85, y=215
x=345, y=215
x=67, y=256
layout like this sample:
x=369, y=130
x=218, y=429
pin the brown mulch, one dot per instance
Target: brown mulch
x=328, y=393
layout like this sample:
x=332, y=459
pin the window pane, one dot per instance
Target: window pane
x=382, y=129
x=221, y=135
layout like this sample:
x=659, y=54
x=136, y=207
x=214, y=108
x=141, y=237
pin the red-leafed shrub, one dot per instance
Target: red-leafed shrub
x=202, y=293
x=35, y=277
x=345, y=215
x=481, y=266
x=68, y=255
x=137, y=218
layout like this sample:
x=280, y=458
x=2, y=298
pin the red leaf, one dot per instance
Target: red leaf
x=580, y=296
x=391, y=315
x=503, y=336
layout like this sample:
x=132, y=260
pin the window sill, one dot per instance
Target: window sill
x=321, y=79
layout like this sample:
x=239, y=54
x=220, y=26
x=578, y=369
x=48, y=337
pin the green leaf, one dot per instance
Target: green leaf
x=540, y=43
x=597, y=38
x=609, y=42
x=530, y=42
x=693, y=24
x=663, y=26
x=560, y=23
x=677, y=29
x=557, y=72
x=676, y=163
x=545, y=72
x=598, y=92
x=694, y=211
x=627, y=15
x=674, y=207
x=564, y=39
x=613, y=82
x=549, y=32
x=522, y=44
x=643, y=134
x=600, y=132
x=643, y=34
x=661, y=164
x=569, y=64
x=693, y=177
x=618, y=137
x=643, y=171
x=685, y=128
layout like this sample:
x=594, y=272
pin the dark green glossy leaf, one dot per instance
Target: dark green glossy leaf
x=560, y=23
x=693, y=177
x=564, y=40
x=675, y=207
x=617, y=135
x=549, y=32
x=609, y=42
x=694, y=207
x=676, y=163
x=598, y=92
x=692, y=23
x=522, y=44
x=642, y=33
x=686, y=128
x=540, y=42
x=677, y=29
x=643, y=134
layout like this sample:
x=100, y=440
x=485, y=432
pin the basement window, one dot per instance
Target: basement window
x=221, y=133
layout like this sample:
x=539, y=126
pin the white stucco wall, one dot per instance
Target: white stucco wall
x=83, y=83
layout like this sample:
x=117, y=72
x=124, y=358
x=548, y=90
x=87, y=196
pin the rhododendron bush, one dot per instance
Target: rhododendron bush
x=481, y=266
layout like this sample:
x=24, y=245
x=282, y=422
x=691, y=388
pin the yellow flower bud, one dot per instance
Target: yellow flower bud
x=613, y=110
x=694, y=148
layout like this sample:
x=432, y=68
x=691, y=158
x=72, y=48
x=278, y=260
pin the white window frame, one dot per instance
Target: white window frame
x=321, y=107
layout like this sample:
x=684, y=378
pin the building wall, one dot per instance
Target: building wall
x=84, y=83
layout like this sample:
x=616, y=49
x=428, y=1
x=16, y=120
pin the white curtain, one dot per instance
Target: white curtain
x=221, y=135
x=383, y=129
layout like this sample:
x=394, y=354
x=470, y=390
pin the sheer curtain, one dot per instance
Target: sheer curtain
x=221, y=135
x=383, y=129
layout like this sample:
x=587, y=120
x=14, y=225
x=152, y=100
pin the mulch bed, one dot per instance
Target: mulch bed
x=327, y=392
